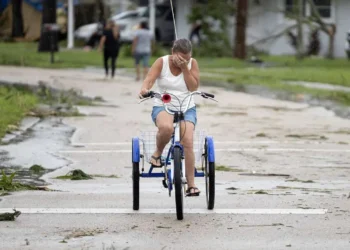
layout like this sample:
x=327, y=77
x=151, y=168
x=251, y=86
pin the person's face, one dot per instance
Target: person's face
x=186, y=57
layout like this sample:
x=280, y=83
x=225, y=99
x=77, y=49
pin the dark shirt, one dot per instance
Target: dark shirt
x=111, y=43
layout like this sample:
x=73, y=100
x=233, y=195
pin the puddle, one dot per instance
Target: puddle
x=37, y=146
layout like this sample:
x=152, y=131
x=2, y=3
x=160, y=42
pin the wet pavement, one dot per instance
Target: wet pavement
x=284, y=156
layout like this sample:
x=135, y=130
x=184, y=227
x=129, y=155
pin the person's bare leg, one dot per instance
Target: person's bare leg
x=137, y=72
x=165, y=130
x=187, y=131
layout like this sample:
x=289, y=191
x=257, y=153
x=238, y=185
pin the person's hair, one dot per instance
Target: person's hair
x=144, y=25
x=182, y=45
x=110, y=24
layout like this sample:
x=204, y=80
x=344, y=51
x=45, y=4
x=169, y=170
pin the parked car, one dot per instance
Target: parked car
x=85, y=32
x=164, y=30
x=129, y=21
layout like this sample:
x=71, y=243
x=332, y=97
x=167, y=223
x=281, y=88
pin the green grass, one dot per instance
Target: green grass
x=331, y=75
x=25, y=54
x=291, y=61
x=14, y=104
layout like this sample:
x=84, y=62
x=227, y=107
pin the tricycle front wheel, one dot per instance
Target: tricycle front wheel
x=136, y=173
x=209, y=172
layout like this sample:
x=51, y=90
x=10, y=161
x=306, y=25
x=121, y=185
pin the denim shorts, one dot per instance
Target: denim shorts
x=190, y=115
x=144, y=57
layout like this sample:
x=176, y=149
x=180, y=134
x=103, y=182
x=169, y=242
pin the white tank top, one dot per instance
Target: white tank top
x=175, y=85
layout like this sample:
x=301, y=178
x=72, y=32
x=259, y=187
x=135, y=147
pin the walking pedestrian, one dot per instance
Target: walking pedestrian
x=109, y=43
x=195, y=36
x=141, y=49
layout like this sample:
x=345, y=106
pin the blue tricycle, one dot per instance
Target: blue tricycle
x=173, y=172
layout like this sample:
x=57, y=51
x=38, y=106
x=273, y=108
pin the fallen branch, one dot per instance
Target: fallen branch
x=283, y=32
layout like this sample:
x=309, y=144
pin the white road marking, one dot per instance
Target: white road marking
x=215, y=142
x=221, y=150
x=162, y=211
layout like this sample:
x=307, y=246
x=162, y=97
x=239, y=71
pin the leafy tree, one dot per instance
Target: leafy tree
x=213, y=16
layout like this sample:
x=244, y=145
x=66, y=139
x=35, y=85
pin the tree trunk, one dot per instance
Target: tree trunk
x=17, y=19
x=48, y=16
x=332, y=30
x=241, y=23
x=100, y=9
x=324, y=28
x=300, y=45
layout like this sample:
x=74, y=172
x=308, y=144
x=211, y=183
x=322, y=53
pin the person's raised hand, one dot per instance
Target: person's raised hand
x=180, y=62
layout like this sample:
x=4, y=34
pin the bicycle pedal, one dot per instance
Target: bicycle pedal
x=165, y=185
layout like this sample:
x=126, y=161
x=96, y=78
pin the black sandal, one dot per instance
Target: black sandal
x=157, y=158
x=189, y=193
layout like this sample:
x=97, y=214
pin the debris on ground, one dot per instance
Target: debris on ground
x=261, y=135
x=231, y=113
x=163, y=227
x=310, y=137
x=302, y=181
x=74, y=175
x=36, y=168
x=78, y=233
x=317, y=190
x=227, y=169
x=10, y=216
x=261, y=192
x=264, y=225
x=105, y=176
x=7, y=184
x=265, y=175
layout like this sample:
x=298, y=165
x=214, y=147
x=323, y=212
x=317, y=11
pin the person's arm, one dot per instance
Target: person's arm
x=134, y=42
x=133, y=47
x=116, y=32
x=151, y=77
x=191, y=76
x=102, y=42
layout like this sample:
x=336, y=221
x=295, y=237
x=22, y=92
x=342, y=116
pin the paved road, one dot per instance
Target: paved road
x=255, y=137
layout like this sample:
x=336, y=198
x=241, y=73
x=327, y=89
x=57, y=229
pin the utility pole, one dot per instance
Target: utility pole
x=70, y=44
x=152, y=16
